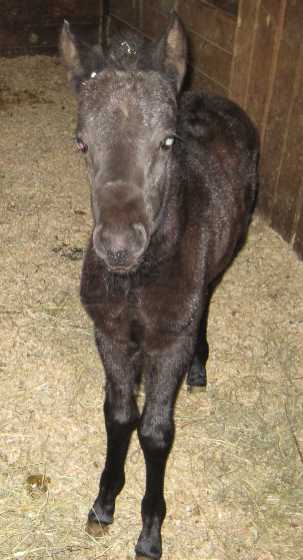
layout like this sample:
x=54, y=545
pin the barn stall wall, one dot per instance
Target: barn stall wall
x=267, y=81
x=249, y=50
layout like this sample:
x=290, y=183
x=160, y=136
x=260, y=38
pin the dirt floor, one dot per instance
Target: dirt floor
x=234, y=483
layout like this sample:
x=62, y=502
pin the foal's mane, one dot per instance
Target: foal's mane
x=128, y=50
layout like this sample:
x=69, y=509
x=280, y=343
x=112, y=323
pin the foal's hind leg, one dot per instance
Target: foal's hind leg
x=196, y=377
x=121, y=417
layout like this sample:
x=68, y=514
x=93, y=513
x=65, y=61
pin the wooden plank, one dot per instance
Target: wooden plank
x=243, y=51
x=298, y=238
x=200, y=83
x=279, y=113
x=209, y=59
x=289, y=183
x=229, y=6
x=263, y=60
x=118, y=25
x=209, y=22
x=168, y=5
x=152, y=20
x=126, y=11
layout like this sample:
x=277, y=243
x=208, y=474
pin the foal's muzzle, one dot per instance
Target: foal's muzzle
x=120, y=249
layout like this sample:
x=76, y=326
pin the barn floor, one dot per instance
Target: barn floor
x=234, y=482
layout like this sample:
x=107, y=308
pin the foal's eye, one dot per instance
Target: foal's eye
x=81, y=145
x=167, y=142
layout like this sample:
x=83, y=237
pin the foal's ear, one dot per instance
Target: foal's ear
x=172, y=52
x=79, y=59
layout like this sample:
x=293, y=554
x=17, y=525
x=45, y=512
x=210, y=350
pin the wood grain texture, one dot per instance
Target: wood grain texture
x=298, y=236
x=243, y=51
x=262, y=59
x=288, y=191
x=212, y=24
x=209, y=59
x=126, y=11
x=282, y=142
x=229, y=6
x=267, y=81
x=117, y=25
x=199, y=82
x=153, y=19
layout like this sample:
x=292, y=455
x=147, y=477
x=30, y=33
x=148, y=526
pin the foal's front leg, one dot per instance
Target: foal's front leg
x=156, y=433
x=121, y=418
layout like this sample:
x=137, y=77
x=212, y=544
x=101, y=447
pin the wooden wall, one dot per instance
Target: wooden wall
x=32, y=26
x=267, y=81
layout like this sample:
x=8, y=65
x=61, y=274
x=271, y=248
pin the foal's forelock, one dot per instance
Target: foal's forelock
x=145, y=94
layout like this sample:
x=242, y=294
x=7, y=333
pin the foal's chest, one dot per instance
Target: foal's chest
x=142, y=312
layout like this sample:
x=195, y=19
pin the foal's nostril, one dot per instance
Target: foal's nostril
x=117, y=258
x=97, y=241
x=139, y=237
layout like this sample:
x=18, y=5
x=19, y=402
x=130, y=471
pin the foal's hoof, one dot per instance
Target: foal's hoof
x=140, y=557
x=98, y=522
x=192, y=389
x=196, y=377
x=146, y=549
x=95, y=529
